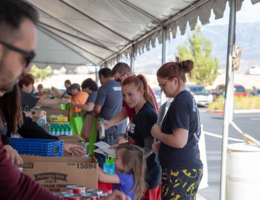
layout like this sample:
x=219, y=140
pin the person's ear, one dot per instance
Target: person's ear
x=127, y=74
x=142, y=92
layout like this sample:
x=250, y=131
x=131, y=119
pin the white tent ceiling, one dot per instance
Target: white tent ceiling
x=76, y=32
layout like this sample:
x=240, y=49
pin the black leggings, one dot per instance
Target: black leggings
x=180, y=184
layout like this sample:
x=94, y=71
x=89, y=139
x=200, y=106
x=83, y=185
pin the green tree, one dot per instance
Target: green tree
x=198, y=49
x=41, y=74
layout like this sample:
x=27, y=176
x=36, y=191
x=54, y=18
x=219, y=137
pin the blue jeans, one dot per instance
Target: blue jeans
x=109, y=139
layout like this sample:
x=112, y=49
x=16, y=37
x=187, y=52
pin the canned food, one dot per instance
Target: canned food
x=76, y=189
x=58, y=194
x=103, y=196
x=96, y=191
x=89, y=196
x=71, y=197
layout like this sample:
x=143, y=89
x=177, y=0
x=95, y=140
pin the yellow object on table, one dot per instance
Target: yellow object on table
x=53, y=118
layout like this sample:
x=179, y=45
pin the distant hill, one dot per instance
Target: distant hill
x=247, y=37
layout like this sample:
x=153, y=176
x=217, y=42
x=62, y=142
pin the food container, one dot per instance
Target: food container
x=58, y=194
x=89, y=196
x=96, y=191
x=103, y=196
x=71, y=197
x=76, y=189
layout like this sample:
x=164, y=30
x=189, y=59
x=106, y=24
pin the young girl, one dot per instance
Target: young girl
x=130, y=167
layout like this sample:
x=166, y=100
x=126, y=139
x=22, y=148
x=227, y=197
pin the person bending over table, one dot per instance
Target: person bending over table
x=179, y=134
x=29, y=101
x=90, y=87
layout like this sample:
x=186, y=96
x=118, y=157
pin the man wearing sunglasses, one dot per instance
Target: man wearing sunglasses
x=17, y=44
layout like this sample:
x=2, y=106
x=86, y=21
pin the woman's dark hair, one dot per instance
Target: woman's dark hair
x=176, y=69
x=68, y=82
x=141, y=83
x=89, y=83
x=27, y=79
x=10, y=105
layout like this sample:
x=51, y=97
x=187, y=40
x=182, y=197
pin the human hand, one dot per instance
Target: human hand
x=13, y=155
x=117, y=195
x=73, y=149
x=50, y=92
x=73, y=104
x=156, y=131
x=121, y=140
x=114, y=146
x=156, y=146
x=67, y=96
x=63, y=101
x=106, y=124
x=39, y=113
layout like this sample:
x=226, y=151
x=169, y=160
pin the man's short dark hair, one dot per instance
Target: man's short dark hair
x=12, y=13
x=121, y=68
x=68, y=82
x=106, y=72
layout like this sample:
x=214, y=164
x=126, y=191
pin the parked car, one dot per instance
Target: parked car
x=201, y=95
x=258, y=93
x=239, y=91
x=254, y=69
x=157, y=94
x=69, y=72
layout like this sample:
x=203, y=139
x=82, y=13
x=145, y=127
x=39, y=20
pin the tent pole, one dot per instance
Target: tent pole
x=132, y=59
x=97, y=77
x=228, y=91
x=164, y=57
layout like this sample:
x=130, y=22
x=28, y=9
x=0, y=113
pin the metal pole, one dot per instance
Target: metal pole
x=132, y=59
x=231, y=35
x=164, y=58
x=118, y=58
x=97, y=77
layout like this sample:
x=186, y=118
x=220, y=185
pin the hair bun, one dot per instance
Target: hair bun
x=187, y=65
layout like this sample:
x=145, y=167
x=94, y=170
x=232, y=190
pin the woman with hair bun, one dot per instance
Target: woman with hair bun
x=179, y=135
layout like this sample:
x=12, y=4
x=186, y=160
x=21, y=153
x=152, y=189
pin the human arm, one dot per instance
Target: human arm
x=178, y=138
x=16, y=185
x=97, y=109
x=117, y=195
x=156, y=147
x=148, y=142
x=87, y=107
x=43, y=102
x=118, y=119
x=108, y=178
x=12, y=154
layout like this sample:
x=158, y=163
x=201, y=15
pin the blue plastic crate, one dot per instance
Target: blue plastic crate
x=38, y=147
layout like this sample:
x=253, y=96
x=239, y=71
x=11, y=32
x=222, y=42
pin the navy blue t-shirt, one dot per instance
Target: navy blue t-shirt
x=127, y=184
x=183, y=113
x=140, y=128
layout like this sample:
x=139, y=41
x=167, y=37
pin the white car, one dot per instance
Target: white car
x=254, y=69
x=201, y=95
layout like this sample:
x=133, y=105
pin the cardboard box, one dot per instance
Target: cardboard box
x=56, y=173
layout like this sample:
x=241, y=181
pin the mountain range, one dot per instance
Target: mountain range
x=247, y=36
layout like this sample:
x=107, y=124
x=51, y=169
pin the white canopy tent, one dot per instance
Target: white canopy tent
x=76, y=32
x=99, y=31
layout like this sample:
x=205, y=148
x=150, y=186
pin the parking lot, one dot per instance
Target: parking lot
x=213, y=123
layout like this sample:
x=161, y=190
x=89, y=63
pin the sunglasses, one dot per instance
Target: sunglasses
x=164, y=84
x=119, y=79
x=29, y=55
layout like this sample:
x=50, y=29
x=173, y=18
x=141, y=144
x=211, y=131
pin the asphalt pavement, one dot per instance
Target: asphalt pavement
x=213, y=123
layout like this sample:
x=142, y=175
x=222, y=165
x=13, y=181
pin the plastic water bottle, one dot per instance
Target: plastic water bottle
x=66, y=131
x=58, y=131
x=70, y=131
x=62, y=131
x=102, y=129
x=52, y=131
